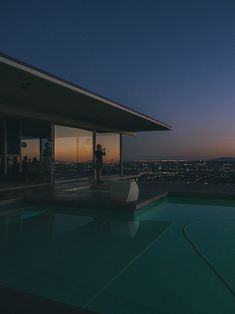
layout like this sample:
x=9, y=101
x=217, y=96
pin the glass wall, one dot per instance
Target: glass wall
x=25, y=150
x=30, y=147
x=73, y=153
x=36, y=152
x=111, y=143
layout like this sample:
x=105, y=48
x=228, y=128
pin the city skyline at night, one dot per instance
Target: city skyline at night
x=173, y=60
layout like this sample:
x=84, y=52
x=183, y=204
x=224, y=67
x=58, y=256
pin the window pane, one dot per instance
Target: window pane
x=73, y=153
x=30, y=148
x=24, y=160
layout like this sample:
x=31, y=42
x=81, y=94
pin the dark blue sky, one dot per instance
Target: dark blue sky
x=173, y=60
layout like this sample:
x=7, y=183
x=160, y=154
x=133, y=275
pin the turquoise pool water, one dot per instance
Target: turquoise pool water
x=174, y=256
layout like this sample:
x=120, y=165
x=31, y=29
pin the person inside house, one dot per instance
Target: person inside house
x=35, y=169
x=47, y=158
x=99, y=153
x=25, y=167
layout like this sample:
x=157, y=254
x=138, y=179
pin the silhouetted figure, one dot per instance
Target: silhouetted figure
x=99, y=153
x=25, y=166
x=15, y=167
x=47, y=158
x=35, y=169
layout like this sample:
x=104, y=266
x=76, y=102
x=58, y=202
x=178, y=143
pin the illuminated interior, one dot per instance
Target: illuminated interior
x=24, y=157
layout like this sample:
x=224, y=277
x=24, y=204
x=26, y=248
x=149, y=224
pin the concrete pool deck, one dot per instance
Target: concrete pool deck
x=80, y=194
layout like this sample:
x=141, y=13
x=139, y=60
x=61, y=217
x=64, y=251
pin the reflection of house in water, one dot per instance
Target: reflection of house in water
x=38, y=109
x=70, y=251
x=124, y=229
x=115, y=224
x=112, y=225
x=53, y=223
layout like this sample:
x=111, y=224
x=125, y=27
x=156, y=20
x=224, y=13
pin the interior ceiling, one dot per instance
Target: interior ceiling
x=25, y=94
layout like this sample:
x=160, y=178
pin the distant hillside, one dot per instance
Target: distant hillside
x=224, y=159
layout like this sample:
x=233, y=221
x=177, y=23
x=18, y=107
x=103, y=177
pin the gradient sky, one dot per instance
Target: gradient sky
x=73, y=144
x=171, y=59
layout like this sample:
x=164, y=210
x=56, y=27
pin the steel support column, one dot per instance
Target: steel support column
x=121, y=154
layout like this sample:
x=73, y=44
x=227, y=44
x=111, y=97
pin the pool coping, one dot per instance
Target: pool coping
x=152, y=199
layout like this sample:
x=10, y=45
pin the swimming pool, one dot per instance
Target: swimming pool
x=173, y=256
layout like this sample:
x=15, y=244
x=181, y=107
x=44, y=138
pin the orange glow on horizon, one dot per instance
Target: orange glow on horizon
x=76, y=145
x=73, y=149
x=80, y=150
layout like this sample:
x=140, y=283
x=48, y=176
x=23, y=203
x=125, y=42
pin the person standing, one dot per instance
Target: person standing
x=47, y=159
x=25, y=167
x=99, y=153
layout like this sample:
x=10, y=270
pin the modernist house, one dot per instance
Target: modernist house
x=49, y=127
x=70, y=249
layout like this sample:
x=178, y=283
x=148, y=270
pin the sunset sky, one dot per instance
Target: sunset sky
x=74, y=145
x=173, y=60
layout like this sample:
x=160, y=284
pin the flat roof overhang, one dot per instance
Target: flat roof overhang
x=30, y=92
